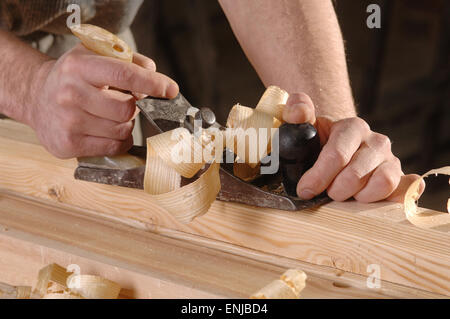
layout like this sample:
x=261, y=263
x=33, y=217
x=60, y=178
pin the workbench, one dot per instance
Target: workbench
x=46, y=216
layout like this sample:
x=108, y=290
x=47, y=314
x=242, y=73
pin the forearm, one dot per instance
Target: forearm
x=297, y=45
x=19, y=65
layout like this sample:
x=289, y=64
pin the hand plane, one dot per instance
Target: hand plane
x=273, y=191
x=298, y=148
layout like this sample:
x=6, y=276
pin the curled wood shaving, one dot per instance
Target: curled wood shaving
x=266, y=116
x=162, y=175
x=12, y=292
x=167, y=160
x=426, y=218
x=277, y=289
x=159, y=177
x=242, y=123
x=296, y=279
x=93, y=287
x=178, y=149
x=289, y=286
x=273, y=101
x=23, y=292
x=53, y=277
x=192, y=200
x=54, y=282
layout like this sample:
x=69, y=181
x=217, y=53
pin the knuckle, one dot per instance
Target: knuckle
x=352, y=176
x=381, y=141
x=388, y=181
x=113, y=147
x=397, y=162
x=125, y=112
x=122, y=74
x=67, y=95
x=70, y=64
x=359, y=123
x=338, y=156
x=150, y=64
x=128, y=109
x=124, y=131
x=336, y=194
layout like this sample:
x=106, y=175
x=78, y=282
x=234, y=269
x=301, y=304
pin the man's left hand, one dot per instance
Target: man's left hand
x=354, y=161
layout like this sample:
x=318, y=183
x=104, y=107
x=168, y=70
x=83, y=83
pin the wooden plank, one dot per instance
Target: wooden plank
x=346, y=236
x=21, y=261
x=145, y=264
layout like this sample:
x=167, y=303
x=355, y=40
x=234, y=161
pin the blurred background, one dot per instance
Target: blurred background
x=400, y=73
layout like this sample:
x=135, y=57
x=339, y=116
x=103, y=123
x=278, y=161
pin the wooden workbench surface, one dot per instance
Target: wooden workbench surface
x=331, y=243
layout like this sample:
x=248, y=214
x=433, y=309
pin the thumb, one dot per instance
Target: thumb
x=299, y=109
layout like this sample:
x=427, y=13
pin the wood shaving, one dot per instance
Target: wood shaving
x=426, y=218
x=289, y=286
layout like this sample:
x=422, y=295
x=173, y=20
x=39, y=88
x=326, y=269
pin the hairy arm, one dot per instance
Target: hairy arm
x=297, y=45
x=19, y=65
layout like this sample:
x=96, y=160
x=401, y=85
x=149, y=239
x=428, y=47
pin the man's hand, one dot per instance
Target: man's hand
x=354, y=162
x=75, y=114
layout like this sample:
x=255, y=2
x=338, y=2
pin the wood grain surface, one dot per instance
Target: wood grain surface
x=147, y=265
x=345, y=236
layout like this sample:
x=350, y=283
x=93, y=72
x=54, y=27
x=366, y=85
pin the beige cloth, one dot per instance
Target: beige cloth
x=28, y=17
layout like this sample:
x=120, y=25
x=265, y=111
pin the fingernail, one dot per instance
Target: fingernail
x=287, y=111
x=293, y=99
x=172, y=90
x=306, y=194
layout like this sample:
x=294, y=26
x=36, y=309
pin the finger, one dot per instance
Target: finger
x=144, y=62
x=110, y=104
x=101, y=71
x=375, y=150
x=99, y=146
x=345, y=139
x=406, y=180
x=356, y=174
x=98, y=127
x=299, y=109
x=382, y=183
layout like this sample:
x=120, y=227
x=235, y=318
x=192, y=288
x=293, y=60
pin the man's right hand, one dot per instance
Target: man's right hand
x=75, y=114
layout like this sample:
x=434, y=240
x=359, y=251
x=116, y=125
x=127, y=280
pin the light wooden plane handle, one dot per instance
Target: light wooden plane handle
x=102, y=42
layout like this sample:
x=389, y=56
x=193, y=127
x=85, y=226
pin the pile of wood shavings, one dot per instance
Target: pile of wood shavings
x=55, y=282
